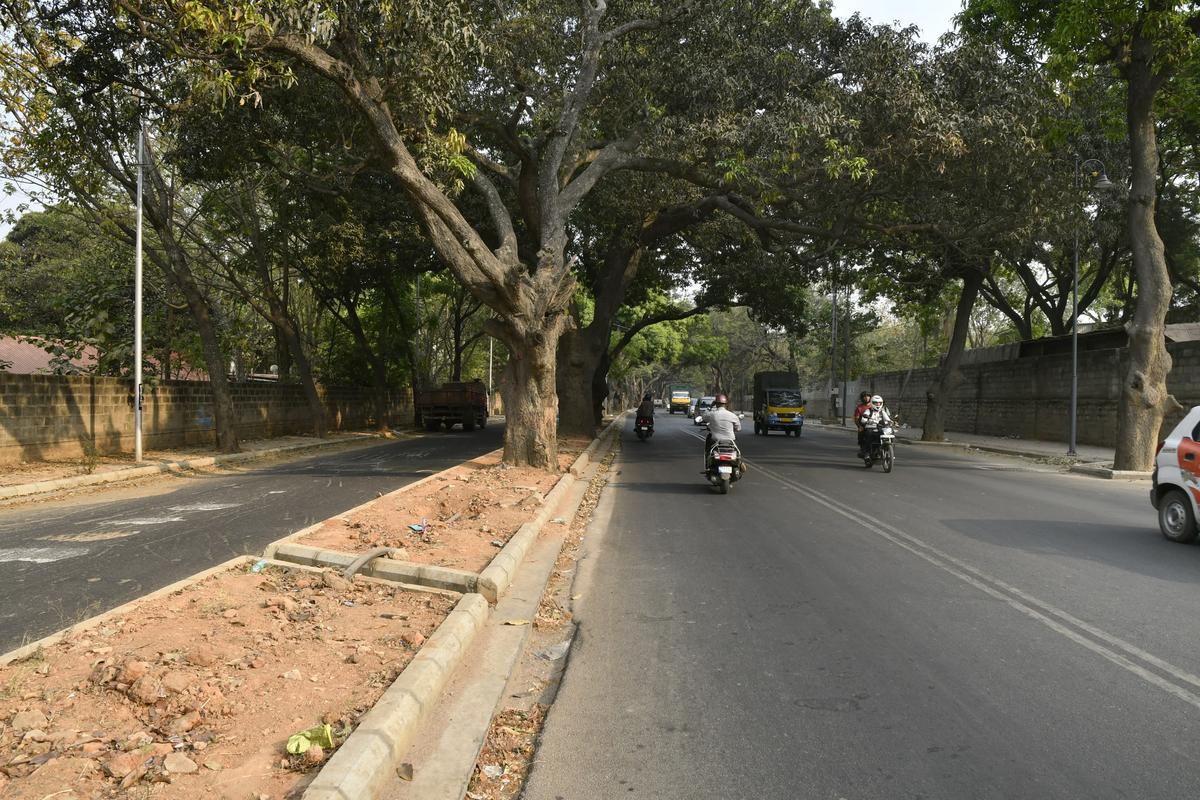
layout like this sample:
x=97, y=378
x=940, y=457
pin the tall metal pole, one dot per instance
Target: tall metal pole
x=845, y=363
x=1074, y=320
x=491, y=391
x=833, y=352
x=137, y=310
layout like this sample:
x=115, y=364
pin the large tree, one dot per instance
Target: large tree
x=1147, y=43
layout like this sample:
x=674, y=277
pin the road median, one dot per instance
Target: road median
x=280, y=675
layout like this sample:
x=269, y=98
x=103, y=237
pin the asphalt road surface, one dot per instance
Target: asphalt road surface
x=63, y=561
x=966, y=627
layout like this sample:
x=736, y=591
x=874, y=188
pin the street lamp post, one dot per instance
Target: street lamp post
x=137, y=307
x=1102, y=182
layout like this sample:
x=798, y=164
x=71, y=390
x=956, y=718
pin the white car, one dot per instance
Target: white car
x=1175, y=490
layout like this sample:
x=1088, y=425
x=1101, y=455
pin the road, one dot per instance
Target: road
x=965, y=627
x=63, y=561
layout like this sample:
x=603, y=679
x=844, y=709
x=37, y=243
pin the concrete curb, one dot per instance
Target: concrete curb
x=131, y=473
x=498, y=575
x=456, y=580
x=1102, y=471
x=27, y=650
x=363, y=765
x=270, y=550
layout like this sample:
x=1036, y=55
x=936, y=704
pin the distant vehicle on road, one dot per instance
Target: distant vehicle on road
x=702, y=407
x=1175, y=484
x=455, y=403
x=778, y=403
x=681, y=400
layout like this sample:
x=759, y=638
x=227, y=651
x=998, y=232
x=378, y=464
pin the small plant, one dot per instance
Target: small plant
x=90, y=458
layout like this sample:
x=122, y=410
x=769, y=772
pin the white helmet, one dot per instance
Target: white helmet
x=876, y=401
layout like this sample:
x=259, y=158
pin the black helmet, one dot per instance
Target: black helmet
x=647, y=396
x=720, y=400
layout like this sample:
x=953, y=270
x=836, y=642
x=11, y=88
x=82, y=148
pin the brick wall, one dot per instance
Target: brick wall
x=51, y=416
x=1029, y=398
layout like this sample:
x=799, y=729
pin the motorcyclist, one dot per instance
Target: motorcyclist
x=722, y=424
x=864, y=402
x=876, y=414
x=646, y=409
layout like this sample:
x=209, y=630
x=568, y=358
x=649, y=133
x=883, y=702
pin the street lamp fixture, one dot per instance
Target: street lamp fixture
x=1100, y=183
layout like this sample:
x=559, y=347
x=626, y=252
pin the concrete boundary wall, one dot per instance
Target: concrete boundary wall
x=60, y=417
x=1026, y=398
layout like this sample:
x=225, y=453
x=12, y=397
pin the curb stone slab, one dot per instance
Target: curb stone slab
x=362, y=766
x=394, y=570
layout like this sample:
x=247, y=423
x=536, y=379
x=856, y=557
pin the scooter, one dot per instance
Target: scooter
x=644, y=428
x=881, y=445
x=723, y=462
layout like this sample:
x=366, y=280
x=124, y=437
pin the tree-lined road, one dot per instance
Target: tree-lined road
x=63, y=561
x=964, y=627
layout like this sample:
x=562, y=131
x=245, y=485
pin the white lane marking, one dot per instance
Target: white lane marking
x=144, y=521
x=204, y=507
x=1018, y=599
x=278, y=491
x=40, y=555
x=88, y=536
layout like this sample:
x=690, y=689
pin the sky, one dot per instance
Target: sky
x=931, y=16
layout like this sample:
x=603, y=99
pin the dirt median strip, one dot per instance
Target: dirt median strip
x=222, y=726
x=204, y=686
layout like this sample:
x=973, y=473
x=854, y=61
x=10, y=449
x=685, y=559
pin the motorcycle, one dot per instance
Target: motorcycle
x=881, y=445
x=644, y=428
x=723, y=463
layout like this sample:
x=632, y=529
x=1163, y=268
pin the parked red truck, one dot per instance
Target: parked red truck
x=455, y=403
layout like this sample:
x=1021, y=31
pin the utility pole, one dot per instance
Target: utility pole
x=137, y=307
x=845, y=363
x=833, y=326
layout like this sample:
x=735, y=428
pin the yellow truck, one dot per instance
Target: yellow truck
x=680, y=401
x=778, y=403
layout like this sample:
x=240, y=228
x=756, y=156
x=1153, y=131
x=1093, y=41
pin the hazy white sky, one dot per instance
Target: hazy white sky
x=931, y=16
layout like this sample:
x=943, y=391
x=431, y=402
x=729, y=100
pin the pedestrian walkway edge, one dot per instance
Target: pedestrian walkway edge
x=183, y=465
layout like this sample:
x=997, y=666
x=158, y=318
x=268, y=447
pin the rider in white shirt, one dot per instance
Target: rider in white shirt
x=722, y=424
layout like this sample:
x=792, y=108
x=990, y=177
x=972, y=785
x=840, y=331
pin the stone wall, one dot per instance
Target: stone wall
x=56, y=417
x=1027, y=398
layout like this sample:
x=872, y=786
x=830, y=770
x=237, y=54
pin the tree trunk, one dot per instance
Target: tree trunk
x=949, y=376
x=214, y=360
x=295, y=350
x=580, y=353
x=1144, y=398
x=530, y=394
x=379, y=389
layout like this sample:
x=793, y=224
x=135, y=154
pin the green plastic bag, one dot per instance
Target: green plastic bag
x=298, y=743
